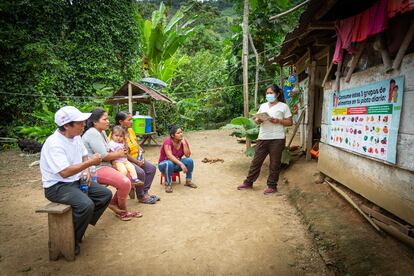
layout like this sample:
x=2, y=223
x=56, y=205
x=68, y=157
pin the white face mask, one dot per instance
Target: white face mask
x=270, y=98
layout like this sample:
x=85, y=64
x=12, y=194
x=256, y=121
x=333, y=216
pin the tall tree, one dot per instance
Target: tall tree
x=245, y=62
x=245, y=58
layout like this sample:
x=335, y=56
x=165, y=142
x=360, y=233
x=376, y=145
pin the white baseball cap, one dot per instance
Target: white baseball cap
x=69, y=114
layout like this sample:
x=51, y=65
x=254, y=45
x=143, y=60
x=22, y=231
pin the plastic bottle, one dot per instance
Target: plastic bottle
x=94, y=176
x=139, y=155
x=83, y=185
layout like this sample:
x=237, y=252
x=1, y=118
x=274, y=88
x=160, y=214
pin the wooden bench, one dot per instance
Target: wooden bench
x=61, y=231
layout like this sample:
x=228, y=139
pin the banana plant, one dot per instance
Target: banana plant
x=161, y=40
x=45, y=127
x=244, y=127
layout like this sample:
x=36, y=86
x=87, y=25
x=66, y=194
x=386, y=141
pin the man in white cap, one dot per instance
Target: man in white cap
x=62, y=160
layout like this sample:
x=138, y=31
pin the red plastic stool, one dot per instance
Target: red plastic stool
x=174, y=177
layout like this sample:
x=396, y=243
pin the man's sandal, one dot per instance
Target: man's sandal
x=168, y=189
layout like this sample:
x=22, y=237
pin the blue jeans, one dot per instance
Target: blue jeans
x=168, y=167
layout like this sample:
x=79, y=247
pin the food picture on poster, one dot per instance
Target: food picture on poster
x=366, y=119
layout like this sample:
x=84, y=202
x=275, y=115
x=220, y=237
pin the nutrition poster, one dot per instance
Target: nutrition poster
x=366, y=119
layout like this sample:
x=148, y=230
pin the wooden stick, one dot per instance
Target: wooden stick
x=327, y=73
x=387, y=220
x=380, y=46
x=354, y=62
x=302, y=115
x=288, y=11
x=338, y=76
x=403, y=48
x=394, y=232
x=256, y=82
x=347, y=198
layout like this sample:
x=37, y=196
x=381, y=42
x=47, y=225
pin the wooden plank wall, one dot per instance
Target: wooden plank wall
x=389, y=186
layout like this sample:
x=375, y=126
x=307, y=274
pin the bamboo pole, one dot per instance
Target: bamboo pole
x=256, y=83
x=390, y=229
x=347, y=198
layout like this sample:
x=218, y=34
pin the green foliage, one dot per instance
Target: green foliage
x=267, y=37
x=203, y=93
x=46, y=126
x=77, y=53
x=53, y=52
x=243, y=127
x=161, y=39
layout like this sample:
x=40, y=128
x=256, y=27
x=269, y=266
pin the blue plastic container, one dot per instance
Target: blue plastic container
x=148, y=124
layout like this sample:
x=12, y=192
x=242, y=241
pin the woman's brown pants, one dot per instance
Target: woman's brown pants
x=273, y=148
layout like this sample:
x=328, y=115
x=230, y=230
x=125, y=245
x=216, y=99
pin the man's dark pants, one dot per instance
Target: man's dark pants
x=86, y=208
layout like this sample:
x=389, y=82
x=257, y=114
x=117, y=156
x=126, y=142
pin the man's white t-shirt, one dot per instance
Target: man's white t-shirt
x=58, y=153
x=268, y=130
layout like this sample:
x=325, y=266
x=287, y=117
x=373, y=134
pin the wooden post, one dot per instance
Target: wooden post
x=152, y=114
x=281, y=77
x=311, y=110
x=130, y=97
x=328, y=72
x=256, y=83
x=338, y=75
x=381, y=46
x=354, y=61
x=403, y=48
x=245, y=61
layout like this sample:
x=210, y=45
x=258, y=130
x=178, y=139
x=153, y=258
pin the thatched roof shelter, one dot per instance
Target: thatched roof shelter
x=139, y=93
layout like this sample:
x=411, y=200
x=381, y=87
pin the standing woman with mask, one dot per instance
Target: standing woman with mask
x=271, y=140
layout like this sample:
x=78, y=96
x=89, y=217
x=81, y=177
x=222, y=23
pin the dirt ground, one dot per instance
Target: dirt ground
x=212, y=230
x=348, y=244
x=306, y=229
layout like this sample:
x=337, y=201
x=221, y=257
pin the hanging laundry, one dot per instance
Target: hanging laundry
x=399, y=6
x=359, y=27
